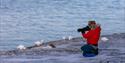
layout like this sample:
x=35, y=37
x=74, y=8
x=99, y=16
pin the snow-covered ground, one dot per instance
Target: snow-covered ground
x=68, y=51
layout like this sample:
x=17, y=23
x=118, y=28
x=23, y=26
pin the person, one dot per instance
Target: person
x=92, y=35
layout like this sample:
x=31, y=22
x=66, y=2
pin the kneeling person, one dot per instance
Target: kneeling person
x=92, y=36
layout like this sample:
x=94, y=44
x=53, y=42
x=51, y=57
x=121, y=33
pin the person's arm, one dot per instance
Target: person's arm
x=88, y=34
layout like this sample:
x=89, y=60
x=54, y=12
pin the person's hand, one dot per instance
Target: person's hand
x=86, y=32
x=84, y=39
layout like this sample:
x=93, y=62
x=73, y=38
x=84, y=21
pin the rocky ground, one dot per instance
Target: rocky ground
x=68, y=51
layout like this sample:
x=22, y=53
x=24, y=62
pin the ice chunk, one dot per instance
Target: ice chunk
x=70, y=37
x=21, y=47
x=104, y=39
x=38, y=43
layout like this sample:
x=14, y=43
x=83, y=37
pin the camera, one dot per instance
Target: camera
x=83, y=30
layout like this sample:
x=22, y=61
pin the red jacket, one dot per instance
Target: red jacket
x=92, y=36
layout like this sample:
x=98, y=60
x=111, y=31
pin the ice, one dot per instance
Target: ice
x=38, y=43
x=21, y=47
x=104, y=39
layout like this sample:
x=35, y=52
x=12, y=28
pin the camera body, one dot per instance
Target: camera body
x=83, y=30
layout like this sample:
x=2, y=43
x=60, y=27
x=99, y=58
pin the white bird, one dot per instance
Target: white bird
x=38, y=43
x=64, y=37
x=21, y=47
x=104, y=39
x=70, y=37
